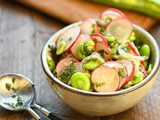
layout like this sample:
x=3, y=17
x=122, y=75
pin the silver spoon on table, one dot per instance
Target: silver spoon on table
x=17, y=93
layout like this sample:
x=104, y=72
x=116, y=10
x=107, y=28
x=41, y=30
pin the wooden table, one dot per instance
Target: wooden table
x=23, y=33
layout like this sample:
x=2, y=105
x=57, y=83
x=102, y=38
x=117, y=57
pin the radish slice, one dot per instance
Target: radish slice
x=121, y=70
x=113, y=11
x=69, y=37
x=81, y=39
x=98, y=37
x=134, y=48
x=130, y=69
x=109, y=15
x=65, y=63
x=89, y=26
x=129, y=55
x=105, y=79
x=103, y=50
x=121, y=28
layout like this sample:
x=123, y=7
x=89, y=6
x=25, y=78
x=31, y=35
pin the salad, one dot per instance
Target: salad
x=103, y=55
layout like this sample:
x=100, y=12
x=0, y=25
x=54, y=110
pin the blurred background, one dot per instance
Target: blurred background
x=26, y=25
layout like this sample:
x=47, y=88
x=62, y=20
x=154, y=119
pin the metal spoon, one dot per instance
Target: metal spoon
x=17, y=93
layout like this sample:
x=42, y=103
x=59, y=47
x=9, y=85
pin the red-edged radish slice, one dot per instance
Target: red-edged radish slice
x=102, y=47
x=105, y=79
x=120, y=28
x=127, y=55
x=133, y=48
x=120, y=68
x=81, y=39
x=65, y=63
x=89, y=26
x=109, y=15
x=69, y=37
x=130, y=69
x=113, y=11
x=98, y=37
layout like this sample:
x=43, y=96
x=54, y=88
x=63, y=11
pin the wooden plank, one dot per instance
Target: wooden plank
x=76, y=10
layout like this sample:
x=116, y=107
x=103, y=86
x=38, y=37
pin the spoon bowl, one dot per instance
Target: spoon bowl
x=18, y=93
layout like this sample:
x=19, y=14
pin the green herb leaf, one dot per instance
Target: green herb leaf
x=14, y=89
x=13, y=96
x=19, y=102
x=66, y=74
x=121, y=72
x=13, y=80
x=10, y=104
x=98, y=84
x=8, y=86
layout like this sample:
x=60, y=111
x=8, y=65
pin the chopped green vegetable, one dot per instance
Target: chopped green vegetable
x=110, y=38
x=98, y=84
x=66, y=74
x=19, y=102
x=81, y=81
x=150, y=67
x=103, y=53
x=13, y=80
x=91, y=64
x=10, y=104
x=51, y=63
x=138, y=77
x=121, y=72
x=15, y=89
x=80, y=55
x=8, y=86
x=102, y=31
x=13, y=96
x=132, y=37
x=61, y=47
x=93, y=28
x=145, y=51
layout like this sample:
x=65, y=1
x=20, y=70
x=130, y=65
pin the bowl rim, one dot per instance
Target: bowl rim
x=67, y=87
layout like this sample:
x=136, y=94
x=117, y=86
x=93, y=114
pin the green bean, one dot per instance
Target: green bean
x=88, y=75
x=81, y=81
x=51, y=63
x=61, y=48
x=91, y=64
x=80, y=55
x=88, y=47
x=132, y=37
x=138, y=77
x=85, y=49
x=146, y=64
x=128, y=85
x=110, y=38
x=150, y=67
x=145, y=51
x=90, y=43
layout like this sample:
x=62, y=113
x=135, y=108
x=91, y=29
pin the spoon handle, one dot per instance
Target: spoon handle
x=33, y=113
x=46, y=112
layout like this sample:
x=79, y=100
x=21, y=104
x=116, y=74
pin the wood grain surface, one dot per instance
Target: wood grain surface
x=71, y=11
x=23, y=33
